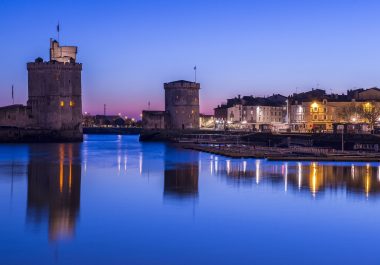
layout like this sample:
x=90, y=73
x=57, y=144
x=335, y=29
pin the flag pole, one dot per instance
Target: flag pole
x=195, y=73
x=58, y=31
x=13, y=98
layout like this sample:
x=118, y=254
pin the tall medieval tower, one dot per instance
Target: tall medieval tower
x=55, y=92
x=182, y=104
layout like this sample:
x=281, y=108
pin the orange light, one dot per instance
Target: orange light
x=71, y=103
x=62, y=103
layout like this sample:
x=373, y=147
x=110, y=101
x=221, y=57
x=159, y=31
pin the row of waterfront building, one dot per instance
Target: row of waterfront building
x=312, y=111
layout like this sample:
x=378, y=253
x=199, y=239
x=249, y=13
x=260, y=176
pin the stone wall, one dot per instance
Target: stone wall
x=153, y=119
x=15, y=116
x=55, y=96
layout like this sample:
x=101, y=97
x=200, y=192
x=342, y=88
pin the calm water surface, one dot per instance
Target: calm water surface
x=113, y=200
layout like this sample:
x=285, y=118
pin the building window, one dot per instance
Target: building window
x=325, y=117
x=62, y=104
x=315, y=117
x=72, y=103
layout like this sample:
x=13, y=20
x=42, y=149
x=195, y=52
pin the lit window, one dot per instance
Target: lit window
x=71, y=103
x=62, y=103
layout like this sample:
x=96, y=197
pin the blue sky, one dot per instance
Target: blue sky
x=130, y=48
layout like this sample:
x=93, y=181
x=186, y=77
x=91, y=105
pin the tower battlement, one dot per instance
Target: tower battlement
x=182, y=84
x=54, y=65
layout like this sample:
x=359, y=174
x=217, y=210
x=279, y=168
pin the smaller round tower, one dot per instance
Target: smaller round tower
x=182, y=104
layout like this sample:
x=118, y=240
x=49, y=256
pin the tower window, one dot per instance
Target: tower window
x=62, y=104
x=71, y=103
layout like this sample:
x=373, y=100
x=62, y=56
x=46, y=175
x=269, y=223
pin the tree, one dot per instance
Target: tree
x=371, y=113
x=348, y=113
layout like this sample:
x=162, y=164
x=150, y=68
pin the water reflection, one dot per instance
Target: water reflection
x=181, y=173
x=315, y=178
x=54, y=184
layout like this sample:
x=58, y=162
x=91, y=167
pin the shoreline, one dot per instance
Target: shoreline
x=285, y=154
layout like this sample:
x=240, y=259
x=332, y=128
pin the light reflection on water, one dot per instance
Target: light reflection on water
x=124, y=200
x=316, y=178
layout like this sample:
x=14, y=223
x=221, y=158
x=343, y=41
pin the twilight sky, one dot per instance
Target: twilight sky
x=130, y=48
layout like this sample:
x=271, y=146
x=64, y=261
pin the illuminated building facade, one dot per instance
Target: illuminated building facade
x=316, y=111
x=253, y=113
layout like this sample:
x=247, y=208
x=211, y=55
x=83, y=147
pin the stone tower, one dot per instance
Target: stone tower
x=55, y=93
x=182, y=104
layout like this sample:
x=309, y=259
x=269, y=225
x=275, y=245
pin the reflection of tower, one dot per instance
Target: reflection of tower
x=54, y=185
x=181, y=172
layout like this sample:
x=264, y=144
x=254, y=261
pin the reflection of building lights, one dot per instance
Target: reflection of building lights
x=125, y=162
x=257, y=171
x=352, y=171
x=244, y=166
x=140, y=163
x=118, y=163
x=299, y=175
x=353, y=119
x=61, y=158
x=286, y=177
x=314, y=179
x=378, y=173
x=228, y=165
x=367, y=181
x=70, y=175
